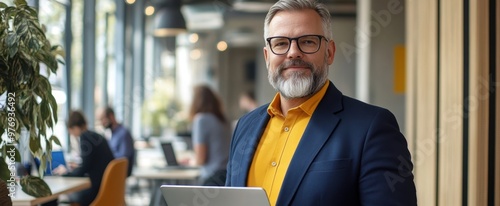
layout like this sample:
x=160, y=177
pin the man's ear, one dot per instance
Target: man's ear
x=265, y=54
x=331, y=51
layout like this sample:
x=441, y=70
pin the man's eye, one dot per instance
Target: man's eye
x=282, y=43
x=309, y=42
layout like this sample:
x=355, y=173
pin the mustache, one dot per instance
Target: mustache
x=295, y=63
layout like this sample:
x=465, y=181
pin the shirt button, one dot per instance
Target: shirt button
x=273, y=164
x=286, y=129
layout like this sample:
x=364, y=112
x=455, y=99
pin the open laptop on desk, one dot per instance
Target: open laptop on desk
x=57, y=159
x=176, y=195
x=171, y=158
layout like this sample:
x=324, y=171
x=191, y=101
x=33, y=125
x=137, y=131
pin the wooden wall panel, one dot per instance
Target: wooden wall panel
x=478, y=103
x=425, y=42
x=437, y=82
x=411, y=71
x=451, y=103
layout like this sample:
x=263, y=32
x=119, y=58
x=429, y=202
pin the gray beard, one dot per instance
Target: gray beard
x=299, y=84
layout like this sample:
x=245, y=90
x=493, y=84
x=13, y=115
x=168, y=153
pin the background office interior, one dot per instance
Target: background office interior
x=432, y=63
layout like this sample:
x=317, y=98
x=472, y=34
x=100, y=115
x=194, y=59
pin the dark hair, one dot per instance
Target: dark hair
x=76, y=119
x=108, y=111
x=205, y=100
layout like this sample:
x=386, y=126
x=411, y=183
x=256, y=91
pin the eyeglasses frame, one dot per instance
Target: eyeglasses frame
x=321, y=37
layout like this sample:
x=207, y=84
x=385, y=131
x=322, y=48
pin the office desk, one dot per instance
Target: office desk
x=158, y=177
x=166, y=174
x=58, y=185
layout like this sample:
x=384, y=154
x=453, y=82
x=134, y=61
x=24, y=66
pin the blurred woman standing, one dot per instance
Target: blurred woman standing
x=211, y=135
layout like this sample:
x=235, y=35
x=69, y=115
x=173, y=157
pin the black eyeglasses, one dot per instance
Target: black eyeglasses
x=308, y=44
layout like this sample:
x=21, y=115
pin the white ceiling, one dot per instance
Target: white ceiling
x=241, y=22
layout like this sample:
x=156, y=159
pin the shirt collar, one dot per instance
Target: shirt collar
x=308, y=106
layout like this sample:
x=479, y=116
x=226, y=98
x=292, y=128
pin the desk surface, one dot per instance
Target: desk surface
x=58, y=184
x=166, y=174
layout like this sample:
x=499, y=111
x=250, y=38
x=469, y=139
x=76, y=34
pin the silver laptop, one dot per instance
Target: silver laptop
x=184, y=195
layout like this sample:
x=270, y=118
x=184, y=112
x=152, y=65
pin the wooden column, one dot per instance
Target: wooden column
x=422, y=95
x=451, y=102
x=478, y=103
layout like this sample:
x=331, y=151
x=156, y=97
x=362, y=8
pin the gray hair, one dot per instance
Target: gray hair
x=294, y=5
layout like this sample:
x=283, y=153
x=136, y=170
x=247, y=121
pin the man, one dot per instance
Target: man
x=95, y=154
x=121, y=142
x=247, y=101
x=311, y=145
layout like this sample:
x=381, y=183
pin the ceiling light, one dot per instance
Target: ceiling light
x=193, y=38
x=150, y=10
x=222, y=46
x=169, y=21
x=253, y=5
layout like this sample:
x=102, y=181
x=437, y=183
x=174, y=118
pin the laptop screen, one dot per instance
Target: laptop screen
x=169, y=153
x=214, y=195
x=57, y=159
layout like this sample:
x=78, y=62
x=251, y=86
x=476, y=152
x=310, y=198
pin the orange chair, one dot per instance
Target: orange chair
x=112, y=189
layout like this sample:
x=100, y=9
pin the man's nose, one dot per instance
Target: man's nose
x=294, y=51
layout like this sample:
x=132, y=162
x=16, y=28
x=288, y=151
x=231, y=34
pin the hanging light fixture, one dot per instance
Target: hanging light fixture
x=253, y=5
x=168, y=20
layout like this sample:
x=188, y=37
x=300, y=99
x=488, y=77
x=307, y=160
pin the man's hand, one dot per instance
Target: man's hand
x=73, y=165
x=60, y=170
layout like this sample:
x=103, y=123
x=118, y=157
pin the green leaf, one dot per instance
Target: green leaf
x=34, y=45
x=43, y=164
x=12, y=44
x=32, y=12
x=4, y=170
x=10, y=12
x=37, y=30
x=2, y=123
x=44, y=108
x=35, y=186
x=3, y=5
x=20, y=3
x=49, y=147
x=11, y=39
x=35, y=145
x=53, y=105
x=22, y=29
x=24, y=119
x=54, y=139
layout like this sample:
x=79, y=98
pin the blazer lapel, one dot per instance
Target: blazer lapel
x=320, y=128
x=255, y=129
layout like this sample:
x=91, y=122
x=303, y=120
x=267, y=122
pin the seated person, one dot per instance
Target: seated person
x=121, y=142
x=95, y=154
x=211, y=135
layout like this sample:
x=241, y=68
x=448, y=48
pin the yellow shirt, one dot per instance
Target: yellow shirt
x=278, y=143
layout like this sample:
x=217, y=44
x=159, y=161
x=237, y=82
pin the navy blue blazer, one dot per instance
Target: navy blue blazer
x=351, y=153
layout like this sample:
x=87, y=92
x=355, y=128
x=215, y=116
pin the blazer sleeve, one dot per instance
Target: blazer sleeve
x=229, y=168
x=386, y=176
x=91, y=148
x=87, y=153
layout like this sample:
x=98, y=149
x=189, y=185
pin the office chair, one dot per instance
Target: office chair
x=112, y=189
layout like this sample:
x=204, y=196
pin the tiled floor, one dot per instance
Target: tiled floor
x=138, y=192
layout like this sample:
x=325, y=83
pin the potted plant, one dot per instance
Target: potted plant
x=26, y=101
